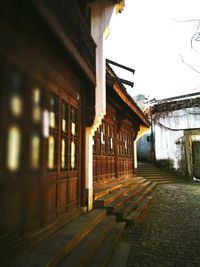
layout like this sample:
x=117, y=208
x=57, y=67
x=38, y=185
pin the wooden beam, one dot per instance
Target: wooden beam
x=120, y=65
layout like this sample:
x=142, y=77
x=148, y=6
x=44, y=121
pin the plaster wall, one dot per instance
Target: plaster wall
x=171, y=142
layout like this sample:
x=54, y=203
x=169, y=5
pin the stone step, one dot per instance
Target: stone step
x=81, y=255
x=147, y=167
x=118, y=203
x=133, y=202
x=50, y=251
x=164, y=178
x=120, y=255
x=118, y=194
x=103, y=255
x=156, y=174
x=163, y=181
x=105, y=189
x=138, y=214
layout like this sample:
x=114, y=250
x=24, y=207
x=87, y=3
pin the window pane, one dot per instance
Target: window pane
x=111, y=143
x=16, y=105
x=36, y=105
x=63, y=154
x=51, y=151
x=16, y=89
x=52, y=119
x=73, y=122
x=52, y=112
x=13, y=148
x=35, y=152
x=64, y=118
x=73, y=154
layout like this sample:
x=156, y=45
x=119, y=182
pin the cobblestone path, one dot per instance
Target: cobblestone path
x=170, y=233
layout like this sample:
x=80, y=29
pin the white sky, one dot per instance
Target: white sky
x=147, y=37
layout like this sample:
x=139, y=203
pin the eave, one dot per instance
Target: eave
x=58, y=30
x=126, y=98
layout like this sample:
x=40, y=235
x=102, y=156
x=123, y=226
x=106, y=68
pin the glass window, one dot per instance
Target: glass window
x=73, y=155
x=64, y=118
x=51, y=152
x=64, y=136
x=36, y=105
x=63, y=154
x=16, y=89
x=53, y=133
x=73, y=122
x=52, y=112
x=35, y=151
x=73, y=138
x=13, y=148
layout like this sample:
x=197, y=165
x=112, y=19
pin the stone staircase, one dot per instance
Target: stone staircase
x=90, y=240
x=93, y=238
x=155, y=174
x=128, y=200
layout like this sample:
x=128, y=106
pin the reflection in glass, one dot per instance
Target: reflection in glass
x=36, y=105
x=51, y=150
x=35, y=152
x=73, y=151
x=73, y=129
x=52, y=119
x=111, y=143
x=64, y=118
x=52, y=112
x=16, y=105
x=73, y=122
x=16, y=90
x=45, y=123
x=64, y=125
x=63, y=149
x=13, y=148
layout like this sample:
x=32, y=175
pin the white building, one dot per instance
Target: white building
x=175, y=134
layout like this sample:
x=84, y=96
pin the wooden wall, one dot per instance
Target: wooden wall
x=113, y=156
x=41, y=167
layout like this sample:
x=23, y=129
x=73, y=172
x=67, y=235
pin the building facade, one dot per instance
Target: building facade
x=114, y=140
x=175, y=134
x=53, y=101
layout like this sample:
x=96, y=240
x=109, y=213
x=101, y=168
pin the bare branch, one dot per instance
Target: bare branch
x=195, y=37
x=190, y=20
x=188, y=64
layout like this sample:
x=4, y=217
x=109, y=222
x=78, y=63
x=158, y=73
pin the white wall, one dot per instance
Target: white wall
x=170, y=133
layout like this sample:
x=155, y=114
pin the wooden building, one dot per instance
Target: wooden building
x=47, y=99
x=113, y=154
x=51, y=75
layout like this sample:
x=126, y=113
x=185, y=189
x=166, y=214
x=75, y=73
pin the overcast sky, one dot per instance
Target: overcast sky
x=153, y=37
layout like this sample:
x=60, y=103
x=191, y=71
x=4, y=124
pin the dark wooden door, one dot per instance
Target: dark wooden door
x=104, y=162
x=40, y=140
x=61, y=182
x=196, y=159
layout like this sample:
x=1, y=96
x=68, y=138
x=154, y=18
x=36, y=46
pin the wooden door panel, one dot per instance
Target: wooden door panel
x=51, y=201
x=33, y=204
x=11, y=206
x=62, y=196
x=72, y=192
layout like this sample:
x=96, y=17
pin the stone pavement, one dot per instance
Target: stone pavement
x=170, y=233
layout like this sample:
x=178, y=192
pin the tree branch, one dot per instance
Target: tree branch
x=188, y=64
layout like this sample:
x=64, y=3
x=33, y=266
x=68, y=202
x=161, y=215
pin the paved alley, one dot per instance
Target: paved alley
x=170, y=233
